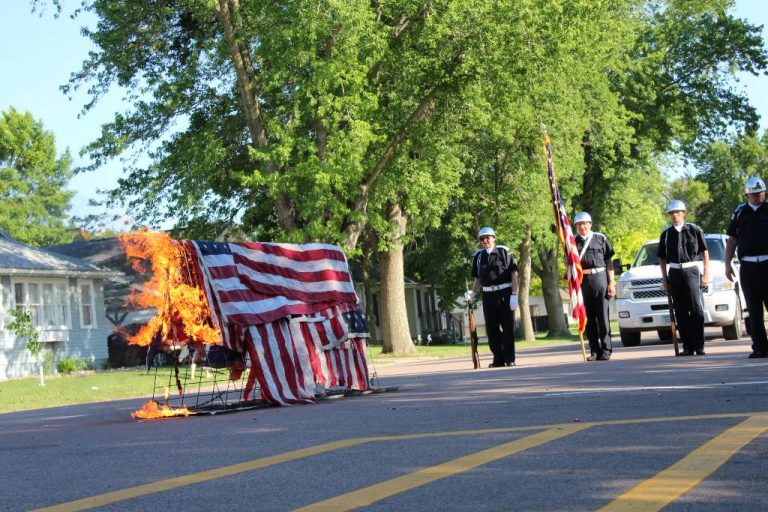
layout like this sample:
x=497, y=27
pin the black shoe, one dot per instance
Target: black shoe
x=605, y=356
x=494, y=365
x=757, y=355
x=686, y=353
x=593, y=357
x=700, y=353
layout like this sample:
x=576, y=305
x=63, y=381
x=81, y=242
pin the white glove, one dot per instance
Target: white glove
x=513, y=302
x=469, y=296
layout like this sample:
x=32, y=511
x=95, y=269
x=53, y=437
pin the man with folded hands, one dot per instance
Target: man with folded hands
x=597, y=285
x=748, y=230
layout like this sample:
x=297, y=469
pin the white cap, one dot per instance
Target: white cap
x=486, y=231
x=754, y=185
x=676, y=206
x=582, y=217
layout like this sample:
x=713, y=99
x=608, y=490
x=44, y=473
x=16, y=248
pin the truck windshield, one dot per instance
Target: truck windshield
x=647, y=254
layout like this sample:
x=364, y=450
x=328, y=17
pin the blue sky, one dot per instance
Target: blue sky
x=38, y=53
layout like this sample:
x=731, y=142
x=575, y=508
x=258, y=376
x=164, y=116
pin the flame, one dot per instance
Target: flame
x=183, y=314
x=150, y=410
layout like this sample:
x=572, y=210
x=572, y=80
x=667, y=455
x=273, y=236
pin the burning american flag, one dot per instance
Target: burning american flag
x=291, y=307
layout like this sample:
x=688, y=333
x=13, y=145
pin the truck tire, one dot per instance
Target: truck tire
x=629, y=338
x=732, y=331
x=665, y=335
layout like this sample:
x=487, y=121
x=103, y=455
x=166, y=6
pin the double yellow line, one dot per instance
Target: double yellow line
x=652, y=494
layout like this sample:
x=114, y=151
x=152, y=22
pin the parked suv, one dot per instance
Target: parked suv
x=641, y=302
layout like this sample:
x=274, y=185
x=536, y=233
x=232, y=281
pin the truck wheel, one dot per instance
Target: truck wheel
x=732, y=331
x=665, y=335
x=629, y=338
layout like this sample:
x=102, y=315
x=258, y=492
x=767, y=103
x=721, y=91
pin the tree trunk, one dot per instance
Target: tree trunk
x=394, y=317
x=524, y=327
x=370, y=313
x=228, y=12
x=550, y=284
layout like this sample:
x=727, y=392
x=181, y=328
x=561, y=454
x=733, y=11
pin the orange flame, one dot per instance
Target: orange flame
x=151, y=410
x=183, y=314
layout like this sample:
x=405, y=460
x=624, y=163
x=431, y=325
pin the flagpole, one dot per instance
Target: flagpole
x=560, y=215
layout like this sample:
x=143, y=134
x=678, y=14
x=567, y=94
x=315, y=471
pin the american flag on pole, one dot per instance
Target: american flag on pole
x=574, y=272
x=292, y=307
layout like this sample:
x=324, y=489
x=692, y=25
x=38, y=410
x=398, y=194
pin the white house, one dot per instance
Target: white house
x=65, y=298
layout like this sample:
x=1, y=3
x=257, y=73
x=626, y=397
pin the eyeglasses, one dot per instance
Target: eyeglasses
x=486, y=237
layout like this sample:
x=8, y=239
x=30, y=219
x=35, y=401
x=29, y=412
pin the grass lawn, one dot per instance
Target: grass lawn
x=23, y=394
x=99, y=386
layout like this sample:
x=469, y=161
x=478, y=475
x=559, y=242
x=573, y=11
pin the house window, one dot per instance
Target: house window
x=46, y=301
x=87, y=305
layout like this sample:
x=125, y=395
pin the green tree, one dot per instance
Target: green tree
x=678, y=94
x=544, y=72
x=724, y=167
x=694, y=193
x=21, y=325
x=300, y=120
x=33, y=180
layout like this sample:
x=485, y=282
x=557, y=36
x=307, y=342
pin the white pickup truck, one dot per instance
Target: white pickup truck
x=641, y=302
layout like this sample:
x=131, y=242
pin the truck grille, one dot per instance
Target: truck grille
x=646, y=282
x=649, y=294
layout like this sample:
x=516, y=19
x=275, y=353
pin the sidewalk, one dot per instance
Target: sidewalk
x=550, y=356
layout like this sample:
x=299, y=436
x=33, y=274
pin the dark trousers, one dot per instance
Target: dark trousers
x=689, y=306
x=754, y=284
x=500, y=326
x=594, y=288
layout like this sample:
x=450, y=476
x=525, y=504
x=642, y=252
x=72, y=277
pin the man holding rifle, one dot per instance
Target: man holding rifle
x=681, y=247
x=495, y=271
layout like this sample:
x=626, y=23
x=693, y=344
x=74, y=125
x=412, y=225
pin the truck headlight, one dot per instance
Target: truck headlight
x=720, y=283
x=622, y=289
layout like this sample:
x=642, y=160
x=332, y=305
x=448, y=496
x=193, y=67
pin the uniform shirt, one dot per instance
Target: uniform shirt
x=682, y=247
x=494, y=268
x=599, y=251
x=750, y=228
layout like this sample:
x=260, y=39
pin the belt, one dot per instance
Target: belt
x=497, y=287
x=687, y=264
x=593, y=270
x=754, y=259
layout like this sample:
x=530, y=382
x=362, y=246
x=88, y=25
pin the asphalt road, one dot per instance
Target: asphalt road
x=643, y=431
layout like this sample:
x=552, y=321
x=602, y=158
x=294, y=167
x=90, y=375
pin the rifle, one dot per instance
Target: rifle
x=473, y=334
x=672, y=318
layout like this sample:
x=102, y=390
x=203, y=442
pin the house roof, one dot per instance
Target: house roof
x=108, y=252
x=17, y=258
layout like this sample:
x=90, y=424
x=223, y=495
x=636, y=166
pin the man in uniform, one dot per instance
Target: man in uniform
x=495, y=272
x=748, y=230
x=597, y=286
x=681, y=247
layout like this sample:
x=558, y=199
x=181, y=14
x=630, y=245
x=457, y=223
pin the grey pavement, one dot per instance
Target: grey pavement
x=553, y=433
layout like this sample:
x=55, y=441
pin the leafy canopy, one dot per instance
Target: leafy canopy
x=33, y=197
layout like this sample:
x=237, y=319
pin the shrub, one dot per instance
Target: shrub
x=68, y=365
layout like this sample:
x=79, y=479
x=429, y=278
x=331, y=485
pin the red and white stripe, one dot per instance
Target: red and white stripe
x=283, y=305
x=573, y=273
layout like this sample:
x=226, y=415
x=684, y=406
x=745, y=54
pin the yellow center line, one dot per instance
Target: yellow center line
x=668, y=485
x=368, y=495
x=193, y=478
x=181, y=481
